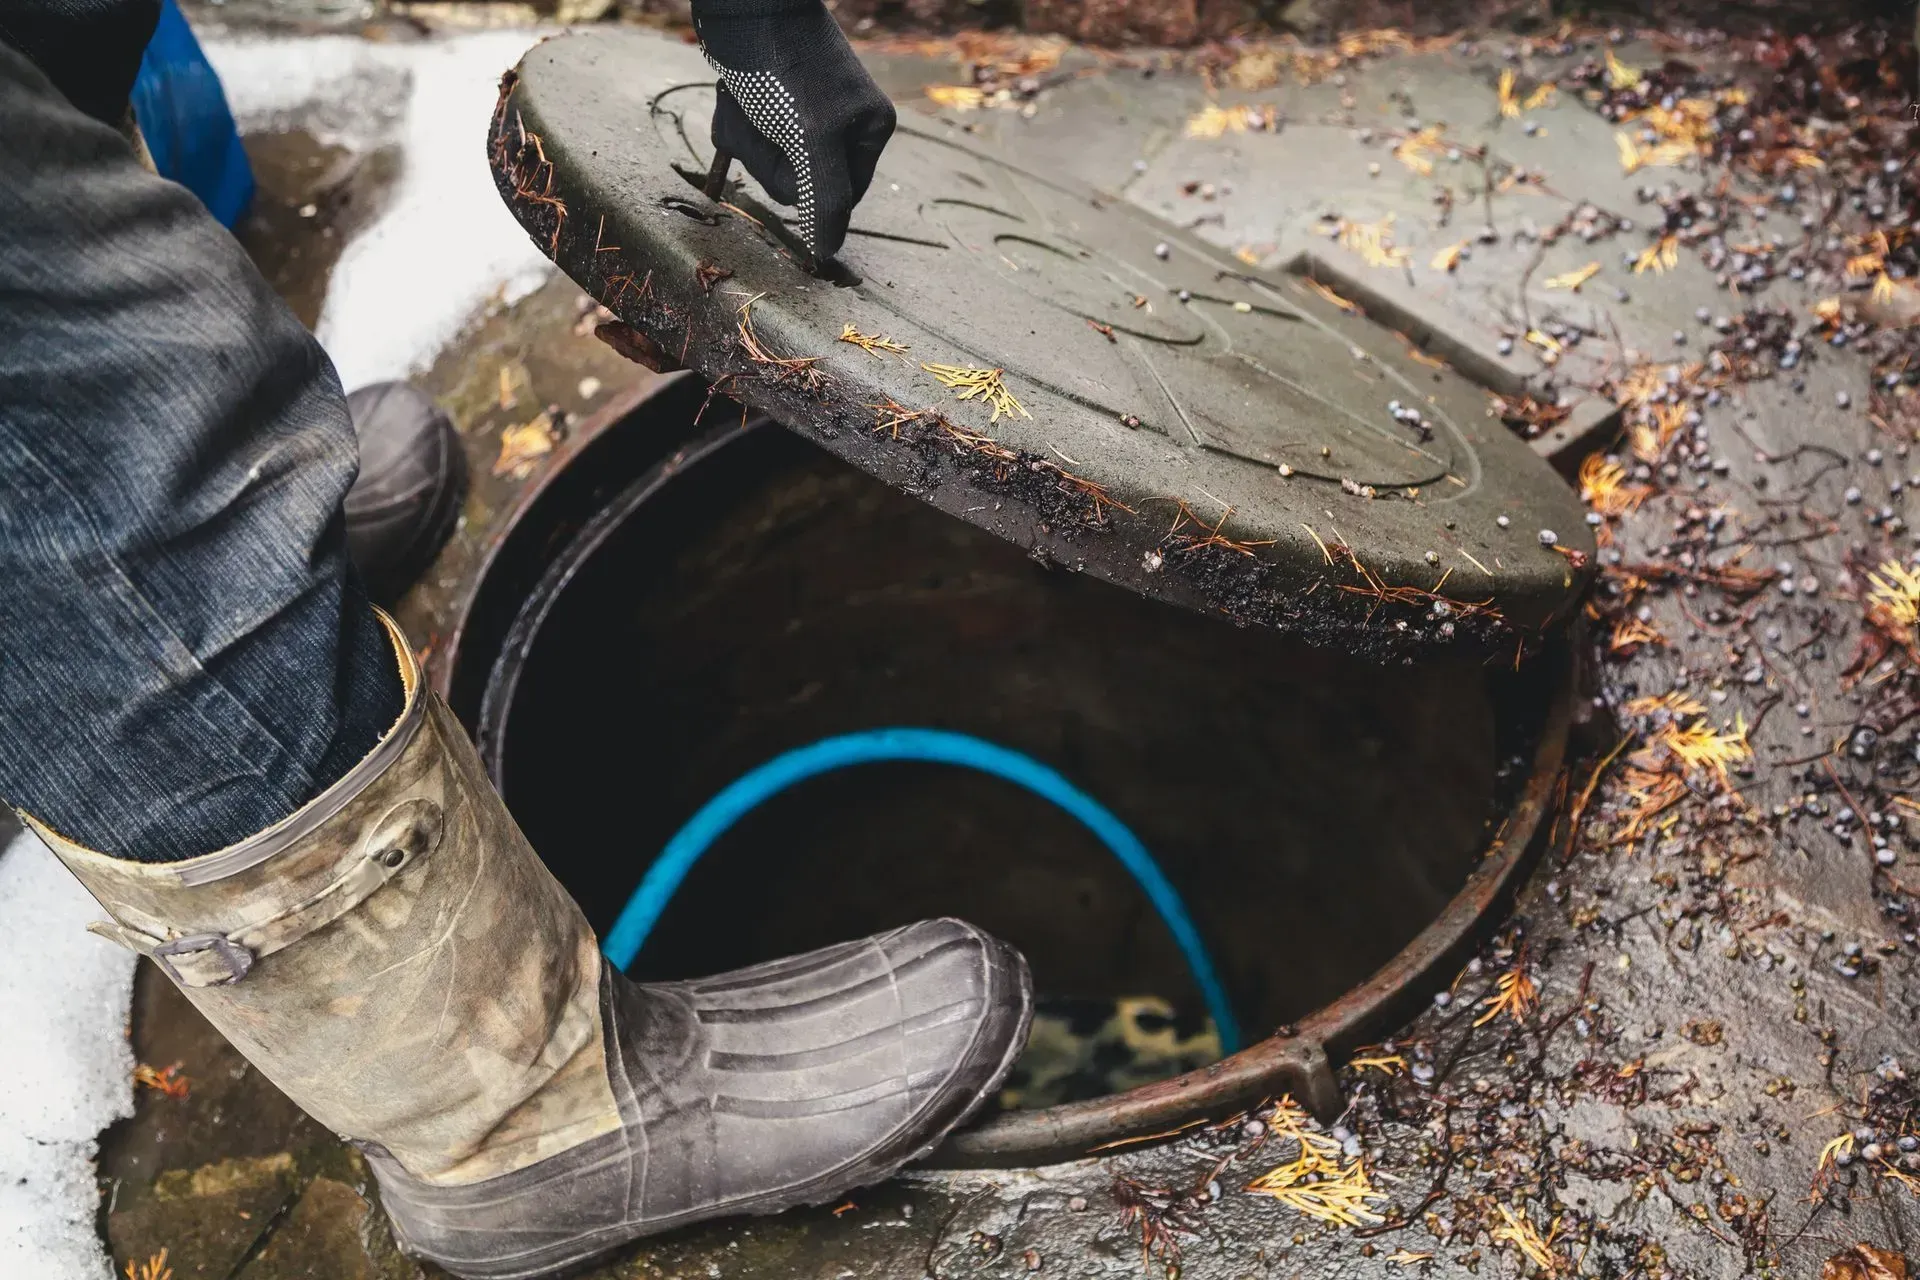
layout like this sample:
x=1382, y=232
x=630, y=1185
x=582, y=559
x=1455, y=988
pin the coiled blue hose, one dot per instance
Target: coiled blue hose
x=738, y=798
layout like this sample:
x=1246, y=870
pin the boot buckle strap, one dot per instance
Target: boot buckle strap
x=408, y=833
x=203, y=959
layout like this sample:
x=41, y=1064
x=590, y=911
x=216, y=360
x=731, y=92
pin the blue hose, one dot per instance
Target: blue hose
x=663, y=878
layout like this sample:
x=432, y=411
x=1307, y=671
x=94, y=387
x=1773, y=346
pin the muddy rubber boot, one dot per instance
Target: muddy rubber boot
x=413, y=477
x=398, y=961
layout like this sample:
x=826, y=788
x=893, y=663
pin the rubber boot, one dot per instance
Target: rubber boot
x=398, y=961
x=413, y=478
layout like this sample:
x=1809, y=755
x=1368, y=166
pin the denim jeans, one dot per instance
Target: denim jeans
x=185, y=655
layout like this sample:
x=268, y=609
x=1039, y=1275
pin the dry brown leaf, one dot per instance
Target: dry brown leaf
x=1865, y=1262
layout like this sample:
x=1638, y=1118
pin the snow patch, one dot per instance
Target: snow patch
x=444, y=246
x=68, y=1074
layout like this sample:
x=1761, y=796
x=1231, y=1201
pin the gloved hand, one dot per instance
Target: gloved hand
x=796, y=107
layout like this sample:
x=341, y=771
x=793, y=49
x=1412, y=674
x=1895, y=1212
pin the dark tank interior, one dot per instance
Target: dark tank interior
x=1314, y=812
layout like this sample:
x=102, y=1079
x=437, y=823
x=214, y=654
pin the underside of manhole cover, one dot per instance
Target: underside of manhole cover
x=1093, y=386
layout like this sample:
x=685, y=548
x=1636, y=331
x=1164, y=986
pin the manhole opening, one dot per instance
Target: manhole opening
x=1313, y=812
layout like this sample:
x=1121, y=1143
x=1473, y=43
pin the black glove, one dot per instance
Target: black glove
x=796, y=107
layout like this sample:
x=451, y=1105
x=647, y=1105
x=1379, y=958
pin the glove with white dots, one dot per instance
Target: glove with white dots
x=796, y=107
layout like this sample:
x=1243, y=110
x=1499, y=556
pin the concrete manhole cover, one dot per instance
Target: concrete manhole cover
x=1186, y=428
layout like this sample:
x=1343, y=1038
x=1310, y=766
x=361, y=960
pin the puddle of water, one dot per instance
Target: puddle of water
x=310, y=199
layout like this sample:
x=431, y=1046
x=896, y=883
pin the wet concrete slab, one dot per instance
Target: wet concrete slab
x=1659, y=1102
x=310, y=197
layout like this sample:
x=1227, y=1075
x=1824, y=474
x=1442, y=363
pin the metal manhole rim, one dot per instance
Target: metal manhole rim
x=1300, y=1063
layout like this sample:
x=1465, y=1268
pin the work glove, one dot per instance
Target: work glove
x=796, y=107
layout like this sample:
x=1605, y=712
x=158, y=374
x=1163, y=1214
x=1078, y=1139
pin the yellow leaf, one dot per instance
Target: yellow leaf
x=1509, y=105
x=1448, y=258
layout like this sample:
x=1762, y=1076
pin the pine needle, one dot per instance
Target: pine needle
x=1619, y=74
x=1347, y=305
x=1675, y=704
x=155, y=1268
x=1893, y=604
x=1372, y=241
x=1520, y=1233
x=1214, y=121
x=163, y=1080
x=798, y=369
x=891, y=415
x=1574, y=279
x=1653, y=792
x=1895, y=590
x=1319, y=1181
x=1700, y=746
x=1416, y=150
x=957, y=97
x=523, y=445
x=1828, y=1164
x=985, y=384
x=1604, y=487
x=1629, y=634
x=1662, y=255
x=872, y=344
x=1635, y=156
x=1513, y=994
